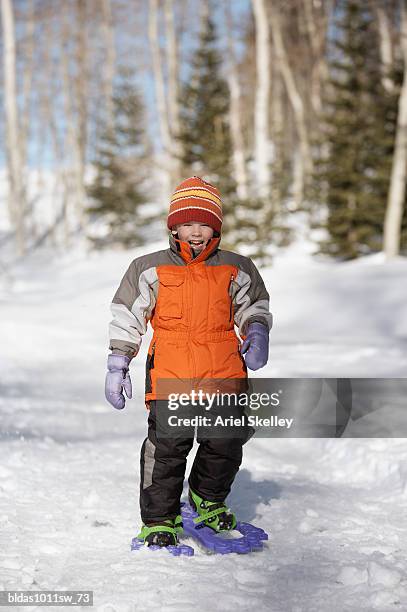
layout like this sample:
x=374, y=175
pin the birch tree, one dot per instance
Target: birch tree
x=302, y=158
x=262, y=101
x=316, y=17
x=107, y=28
x=159, y=87
x=278, y=125
x=27, y=77
x=386, y=44
x=75, y=110
x=173, y=89
x=236, y=129
x=48, y=84
x=16, y=196
x=397, y=191
x=80, y=83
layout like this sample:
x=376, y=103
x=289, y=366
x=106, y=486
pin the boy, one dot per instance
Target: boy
x=193, y=294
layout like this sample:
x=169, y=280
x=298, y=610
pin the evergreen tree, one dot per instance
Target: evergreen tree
x=360, y=128
x=207, y=149
x=117, y=189
x=205, y=134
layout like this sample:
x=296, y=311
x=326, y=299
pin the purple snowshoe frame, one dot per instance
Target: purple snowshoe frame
x=252, y=537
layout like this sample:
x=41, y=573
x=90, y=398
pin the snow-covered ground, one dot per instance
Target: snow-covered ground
x=335, y=509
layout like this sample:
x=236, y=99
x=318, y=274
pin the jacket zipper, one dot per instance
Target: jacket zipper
x=190, y=298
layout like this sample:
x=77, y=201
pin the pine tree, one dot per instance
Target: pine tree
x=360, y=124
x=117, y=189
x=205, y=134
x=207, y=148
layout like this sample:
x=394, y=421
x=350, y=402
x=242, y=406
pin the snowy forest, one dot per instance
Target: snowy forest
x=287, y=107
x=297, y=111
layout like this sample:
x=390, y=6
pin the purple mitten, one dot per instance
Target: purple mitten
x=118, y=378
x=256, y=346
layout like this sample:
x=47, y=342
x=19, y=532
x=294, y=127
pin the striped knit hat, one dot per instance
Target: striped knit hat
x=196, y=200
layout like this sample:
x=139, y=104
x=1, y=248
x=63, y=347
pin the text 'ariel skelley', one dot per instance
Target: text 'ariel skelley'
x=219, y=421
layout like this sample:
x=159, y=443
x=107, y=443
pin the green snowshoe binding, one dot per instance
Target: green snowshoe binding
x=211, y=514
x=162, y=534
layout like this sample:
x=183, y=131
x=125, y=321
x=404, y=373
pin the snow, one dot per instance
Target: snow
x=335, y=509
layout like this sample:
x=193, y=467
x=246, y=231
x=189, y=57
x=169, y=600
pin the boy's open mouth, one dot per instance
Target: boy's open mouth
x=196, y=242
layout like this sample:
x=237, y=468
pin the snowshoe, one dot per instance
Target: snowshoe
x=251, y=538
x=211, y=514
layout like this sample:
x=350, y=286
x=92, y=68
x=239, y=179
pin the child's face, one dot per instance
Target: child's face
x=196, y=234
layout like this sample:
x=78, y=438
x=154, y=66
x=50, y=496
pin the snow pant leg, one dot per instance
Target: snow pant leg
x=162, y=470
x=215, y=467
x=218, y=458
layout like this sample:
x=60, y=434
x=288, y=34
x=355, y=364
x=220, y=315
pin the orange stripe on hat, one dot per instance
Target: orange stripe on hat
x=196, y=200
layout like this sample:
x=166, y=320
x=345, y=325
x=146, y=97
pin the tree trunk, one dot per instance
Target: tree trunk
x=303, y=169
x=262, y=102
x=298, y=178
x=81, y=92
x=173, y=90
x=396, y=197
x=27, y=78
x=13, y=144
x=74, y=177
x=277, y=131
x=109, y=63
x=386, y=46
x=48, y=93
x=317, y=25
x=158, y=76
x=239, y=157
x=166, y=162
x=26, y=124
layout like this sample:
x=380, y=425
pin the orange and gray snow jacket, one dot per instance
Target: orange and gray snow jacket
x=193, y=305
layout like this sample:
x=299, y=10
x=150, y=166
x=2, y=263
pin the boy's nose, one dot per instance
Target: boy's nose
x=196, y=230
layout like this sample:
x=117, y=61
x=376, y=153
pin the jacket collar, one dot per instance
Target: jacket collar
x=184, y=250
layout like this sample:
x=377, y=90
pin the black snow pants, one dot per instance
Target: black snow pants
x=162, y=469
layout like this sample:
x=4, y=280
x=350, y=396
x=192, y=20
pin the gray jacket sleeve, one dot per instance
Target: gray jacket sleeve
x=250, y=299
x=131, y=308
